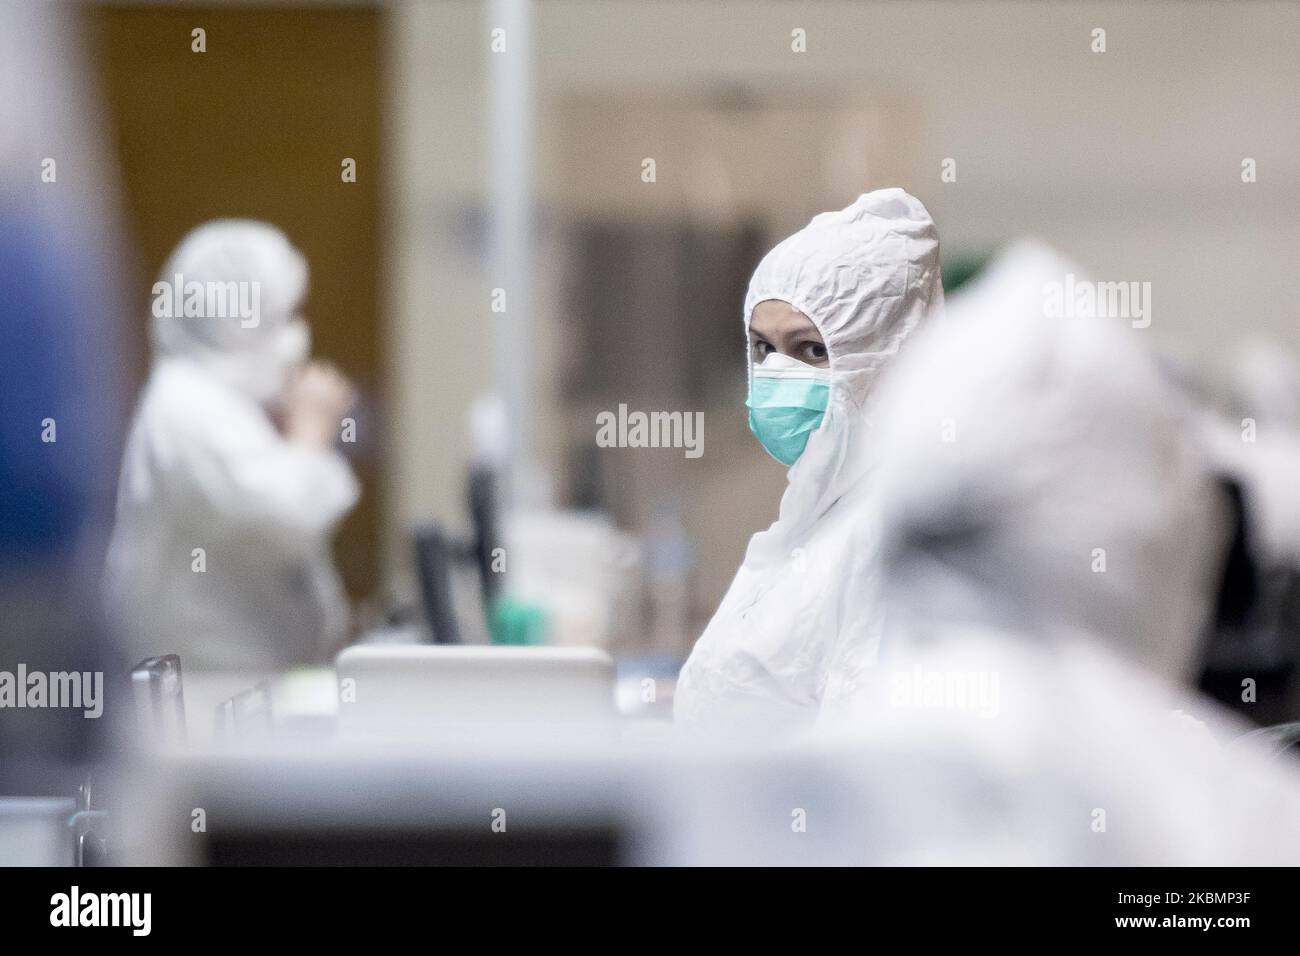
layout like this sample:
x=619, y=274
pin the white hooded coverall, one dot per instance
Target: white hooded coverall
x=865, y=276
x=205, y=468
x=1044, y=578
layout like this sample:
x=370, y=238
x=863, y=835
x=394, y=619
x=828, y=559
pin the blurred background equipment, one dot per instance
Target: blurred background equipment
x=160, y=699
x=473, y=694
x=433, y=557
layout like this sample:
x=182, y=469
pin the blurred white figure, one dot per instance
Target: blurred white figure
x=1013, y=283
x=865, y=276
x=1266, y=382
x=1051, y=539
x=221, y=551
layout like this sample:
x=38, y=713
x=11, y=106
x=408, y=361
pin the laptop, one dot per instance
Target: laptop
x=432, y=689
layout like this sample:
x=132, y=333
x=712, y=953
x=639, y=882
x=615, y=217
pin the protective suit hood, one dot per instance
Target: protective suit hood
x=1049, y=537
x=249, y=263
x=1041, y=478
x=865, y=276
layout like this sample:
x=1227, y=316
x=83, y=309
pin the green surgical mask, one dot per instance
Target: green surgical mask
x=787, y=402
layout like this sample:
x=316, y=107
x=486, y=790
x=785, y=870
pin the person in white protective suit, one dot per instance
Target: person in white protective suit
x=826, y=310
x=1051, y=539
x=231, y=485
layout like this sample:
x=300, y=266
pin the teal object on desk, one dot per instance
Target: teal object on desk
x=515, y=622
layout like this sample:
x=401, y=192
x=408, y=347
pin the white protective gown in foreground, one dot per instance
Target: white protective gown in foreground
x=1044, y=578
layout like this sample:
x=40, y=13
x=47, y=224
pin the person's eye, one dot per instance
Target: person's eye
x=762, y=350
x=813, y=352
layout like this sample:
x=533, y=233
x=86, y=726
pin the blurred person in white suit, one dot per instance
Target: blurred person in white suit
x=231, y=485
x=1051, y=540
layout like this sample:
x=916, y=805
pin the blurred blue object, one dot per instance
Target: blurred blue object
x=44, y=438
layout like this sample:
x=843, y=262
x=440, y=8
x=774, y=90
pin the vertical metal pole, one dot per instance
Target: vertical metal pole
x=510, y=239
